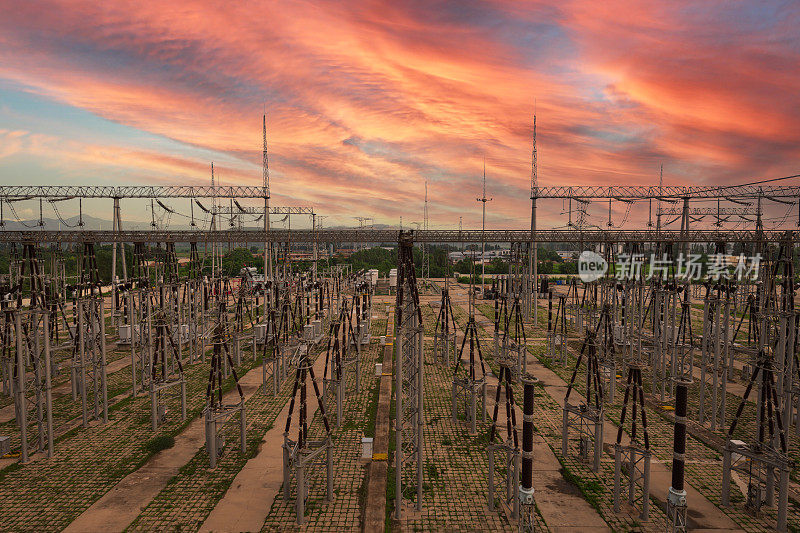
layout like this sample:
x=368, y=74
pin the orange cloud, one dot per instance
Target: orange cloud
x=366, y=100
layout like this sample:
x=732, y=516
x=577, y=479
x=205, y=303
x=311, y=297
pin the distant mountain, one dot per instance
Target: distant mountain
x=53, y=224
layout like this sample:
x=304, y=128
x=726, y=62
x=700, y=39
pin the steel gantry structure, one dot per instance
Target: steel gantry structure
x=588, y=192
x=392, y=236
x=669, y=192
x=47, y=192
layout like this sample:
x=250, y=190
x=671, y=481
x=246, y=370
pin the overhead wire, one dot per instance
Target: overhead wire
x=19, y=219
x=61, y=219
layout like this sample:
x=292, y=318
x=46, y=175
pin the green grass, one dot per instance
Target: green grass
x=10, y=469
x=372, y=411
x=432, y=470
x=161, y=442
x=591, y=489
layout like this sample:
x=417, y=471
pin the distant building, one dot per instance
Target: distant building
x=345, y=252
x=567, y=255
x=488, y=256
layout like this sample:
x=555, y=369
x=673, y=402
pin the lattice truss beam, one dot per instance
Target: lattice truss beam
x=636, y=192
x=626, y=192
x=47, y=192
x=385, y=236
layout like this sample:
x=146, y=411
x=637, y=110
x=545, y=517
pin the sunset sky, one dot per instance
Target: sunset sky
x=367, y=100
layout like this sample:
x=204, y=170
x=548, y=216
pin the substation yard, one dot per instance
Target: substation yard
x=122, y=475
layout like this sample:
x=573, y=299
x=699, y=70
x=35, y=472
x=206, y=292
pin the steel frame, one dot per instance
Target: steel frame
x=509, y=448
x=587, y=418
x=301, y=454
x=585, y=236
x=216, y=412
x=409, y=380
x=31, y=381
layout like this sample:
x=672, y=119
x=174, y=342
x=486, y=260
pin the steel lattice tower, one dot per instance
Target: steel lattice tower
x=408, y=376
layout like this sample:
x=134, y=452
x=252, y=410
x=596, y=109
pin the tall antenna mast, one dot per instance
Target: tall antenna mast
x=265, y=171
x=425, y=214
x=534, y=169
x=265, y=162
x=460, y=220
x=660, y=192
x=658, y=204
x=213, y=197
x=484, y=180
x=533, y=253
x=483, y=200
x=213, y=222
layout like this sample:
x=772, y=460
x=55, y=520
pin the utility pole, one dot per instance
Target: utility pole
x=685, y=225
x=483, y=201
x=319, y=227
x=213, y=222
x=658, y=205
x=533, y=256
x=117, y=227
x=426, y=261
x=314, y=232
x=460, y=221
x=759, y=225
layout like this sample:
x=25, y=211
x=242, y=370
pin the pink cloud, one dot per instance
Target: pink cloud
x=367, y=100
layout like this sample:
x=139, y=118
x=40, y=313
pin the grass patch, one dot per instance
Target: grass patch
x=10, y=469
x=350, y=424
x=372, y=411
x=161, y=442
x=591, y=489
x=430, y=468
